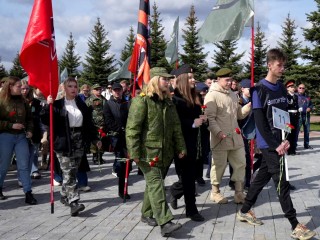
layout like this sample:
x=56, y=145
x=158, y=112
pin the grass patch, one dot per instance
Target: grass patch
x=315, y=126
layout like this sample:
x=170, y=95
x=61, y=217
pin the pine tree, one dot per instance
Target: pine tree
x=158, y=42
x=260, y=56
x=225, y=56
x=127, y=50
x=70, y=59
x=192, y=48
x=3, y=71
x=289, y=44
x=313, y=35
x=99, y=62
x=17, y=69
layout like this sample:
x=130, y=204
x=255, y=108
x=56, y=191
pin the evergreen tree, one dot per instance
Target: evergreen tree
x=313, y=35
x=260, y=56
x=289, y=44
x=192, y=48
x=127, y=50
x=3, y=71
x=158, y=42
x=99, y=62
x=17, y=69
x=225, y=56
x=70, y=59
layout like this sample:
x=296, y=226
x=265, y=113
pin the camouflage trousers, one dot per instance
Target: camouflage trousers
x=69, y=166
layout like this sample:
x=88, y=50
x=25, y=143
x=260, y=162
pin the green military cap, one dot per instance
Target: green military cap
x=159, y=71
x=224, y=72
x=95, y=86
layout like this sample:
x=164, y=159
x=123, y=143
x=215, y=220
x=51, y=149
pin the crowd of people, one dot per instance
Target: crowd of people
x=173, y=119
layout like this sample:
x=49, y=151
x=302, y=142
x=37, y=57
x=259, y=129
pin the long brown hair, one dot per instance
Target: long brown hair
x=5, y=93
x=188, y=93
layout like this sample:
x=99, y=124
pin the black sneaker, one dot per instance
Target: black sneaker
x=149, y=220
x=30, y=199
x=168, y=228
x=308, y=147
x=197, y=217
x=122, y=196
x=292, y=187
x=75, y=208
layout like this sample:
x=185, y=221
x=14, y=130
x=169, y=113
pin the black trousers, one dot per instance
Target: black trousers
x=292, y=137
x=270, y=168
x=186, y=184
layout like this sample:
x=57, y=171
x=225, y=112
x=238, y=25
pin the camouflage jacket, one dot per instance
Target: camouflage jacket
x=154, y=129
x=96, y=105
x=17, y=110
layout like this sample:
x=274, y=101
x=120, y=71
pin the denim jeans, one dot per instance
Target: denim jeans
x=18, y=144
x=305, y=121
x=33, y=160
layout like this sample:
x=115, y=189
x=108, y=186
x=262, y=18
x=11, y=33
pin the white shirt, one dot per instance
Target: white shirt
x=74, y=114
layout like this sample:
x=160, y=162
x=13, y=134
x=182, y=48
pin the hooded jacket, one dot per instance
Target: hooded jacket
x=223, y=112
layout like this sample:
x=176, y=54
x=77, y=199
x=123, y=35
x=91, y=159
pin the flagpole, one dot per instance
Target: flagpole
x=252, y=84
x=51, y=135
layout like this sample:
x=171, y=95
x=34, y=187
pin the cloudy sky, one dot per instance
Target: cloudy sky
x=79, y=17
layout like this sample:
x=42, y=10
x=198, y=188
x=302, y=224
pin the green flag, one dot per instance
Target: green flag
x=226, y=21
x=63, y=75
x=122, y=73
x=171, y=52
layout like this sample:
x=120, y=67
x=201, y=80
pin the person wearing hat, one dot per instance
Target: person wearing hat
x=188, y=106
x=293, y=110
x=115, y=113
x=96, y=102
x=223, y=111
x=107, y=92
x=153, y=136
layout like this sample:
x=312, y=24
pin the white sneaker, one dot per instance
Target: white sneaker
x=84, y=189
x=114, y=173
x=19, y=183
x=55, y=183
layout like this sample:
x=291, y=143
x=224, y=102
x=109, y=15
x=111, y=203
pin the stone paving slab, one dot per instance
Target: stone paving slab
x=107, y=217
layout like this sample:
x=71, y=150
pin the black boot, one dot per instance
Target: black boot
x=76, y=208
x=169, y=227
x=173, y=202
x=2, y=197
x=95, y=159
x=30, y=199
x=101, y=159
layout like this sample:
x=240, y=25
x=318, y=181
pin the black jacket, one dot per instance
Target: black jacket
x=116, y=114
x=62, y=141
x=187, y=114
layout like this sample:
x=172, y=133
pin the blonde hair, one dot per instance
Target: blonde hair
x=188, y=94
x=153, y=88
x=29, y=96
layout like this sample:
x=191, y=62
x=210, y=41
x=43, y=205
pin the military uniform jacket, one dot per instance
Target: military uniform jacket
x=96, y=105
x=153, y=129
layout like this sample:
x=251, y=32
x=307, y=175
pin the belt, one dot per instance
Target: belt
x=292, y=111
x=76, y=129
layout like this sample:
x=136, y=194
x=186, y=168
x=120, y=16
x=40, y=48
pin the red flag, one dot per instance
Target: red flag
x=38, y=54
x=139, y=64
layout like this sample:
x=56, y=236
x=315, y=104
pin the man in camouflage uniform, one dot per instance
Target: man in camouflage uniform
x=96, y=102
x=153, y=136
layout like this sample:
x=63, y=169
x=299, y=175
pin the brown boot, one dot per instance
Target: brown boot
x=239, y=196
x=216, y=196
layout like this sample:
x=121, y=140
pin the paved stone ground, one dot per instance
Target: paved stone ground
x=106, y=217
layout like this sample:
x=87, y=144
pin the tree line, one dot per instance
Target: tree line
x=99, y=63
